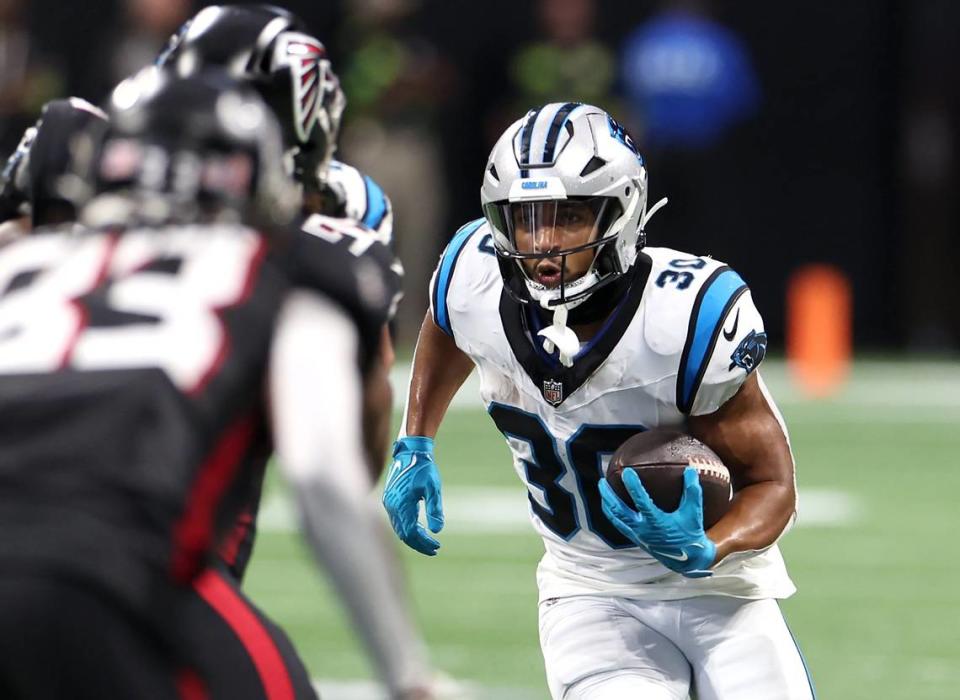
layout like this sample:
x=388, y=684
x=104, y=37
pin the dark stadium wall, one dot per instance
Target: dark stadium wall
x=815, y=175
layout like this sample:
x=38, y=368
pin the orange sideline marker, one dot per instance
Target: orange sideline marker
x=819, y=328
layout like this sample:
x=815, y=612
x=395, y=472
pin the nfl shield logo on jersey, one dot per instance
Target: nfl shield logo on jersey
x=553, y=391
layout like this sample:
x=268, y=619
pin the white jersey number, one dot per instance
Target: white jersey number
x=335, y=230
x=100, y=302
x=555, y=506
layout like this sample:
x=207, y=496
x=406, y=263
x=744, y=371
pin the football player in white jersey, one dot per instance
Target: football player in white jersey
x=582, y=337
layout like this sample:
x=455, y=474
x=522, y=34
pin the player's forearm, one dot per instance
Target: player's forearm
x=758, y=516
x=343, y=535
x=439, y=370
x=377, y=409
x=320, y=449
x=749, y=436
x=378, y=405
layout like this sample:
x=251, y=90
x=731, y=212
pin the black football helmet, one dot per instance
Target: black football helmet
x=29, y=179
x=203, y=148
x=270, y=48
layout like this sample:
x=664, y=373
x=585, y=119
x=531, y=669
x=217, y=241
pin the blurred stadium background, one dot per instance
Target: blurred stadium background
x=785, y=135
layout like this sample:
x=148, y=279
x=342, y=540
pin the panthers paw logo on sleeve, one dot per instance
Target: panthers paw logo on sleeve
x=751, y=351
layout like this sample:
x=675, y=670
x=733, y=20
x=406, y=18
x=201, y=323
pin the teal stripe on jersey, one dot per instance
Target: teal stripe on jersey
x=714, y=300
x=376, y=204
x=448, y=262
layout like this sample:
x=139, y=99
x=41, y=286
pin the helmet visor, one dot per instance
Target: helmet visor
x=547, y=228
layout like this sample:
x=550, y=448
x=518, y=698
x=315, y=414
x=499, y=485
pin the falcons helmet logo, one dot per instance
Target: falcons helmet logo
x=307, y=60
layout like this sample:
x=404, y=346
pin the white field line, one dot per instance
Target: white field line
x=927, y=671
x=902, y=386
x=503, y=511
x=330, y=689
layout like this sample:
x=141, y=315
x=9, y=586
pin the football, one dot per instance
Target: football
x=659, y=458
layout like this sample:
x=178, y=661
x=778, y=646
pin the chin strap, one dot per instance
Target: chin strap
x=559, y=336
x=650, y=212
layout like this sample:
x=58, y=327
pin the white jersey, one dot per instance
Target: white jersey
x=682, y=341
x=363, y=221
x=362, y=199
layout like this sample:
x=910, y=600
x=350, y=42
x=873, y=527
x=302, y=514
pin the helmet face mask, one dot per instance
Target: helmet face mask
x=555, y=243
x=564, y=185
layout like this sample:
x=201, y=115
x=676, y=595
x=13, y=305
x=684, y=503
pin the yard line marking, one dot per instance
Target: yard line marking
x=897, y=385
x=487, y=510
x=484, y=510
x=827, y=508
x=338, y=689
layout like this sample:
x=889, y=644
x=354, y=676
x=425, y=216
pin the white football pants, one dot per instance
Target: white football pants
x=715, y=648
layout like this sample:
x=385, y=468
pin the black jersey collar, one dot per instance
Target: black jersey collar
x=555, y=381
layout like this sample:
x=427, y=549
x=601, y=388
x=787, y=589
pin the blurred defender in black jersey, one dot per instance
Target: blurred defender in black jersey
x=272, y=51
x=344, y=210
x=148, y=367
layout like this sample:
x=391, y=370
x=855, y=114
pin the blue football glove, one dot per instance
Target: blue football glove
x=414, y=477
x=677, y=540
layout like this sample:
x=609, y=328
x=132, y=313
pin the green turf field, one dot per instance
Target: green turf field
x=874, y=555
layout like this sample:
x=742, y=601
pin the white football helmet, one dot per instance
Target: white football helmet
x=560, y=161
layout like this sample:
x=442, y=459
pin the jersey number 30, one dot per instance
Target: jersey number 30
x=585, y=452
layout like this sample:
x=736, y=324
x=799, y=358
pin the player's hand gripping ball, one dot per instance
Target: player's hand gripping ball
x=659, y=458
x=663, y=490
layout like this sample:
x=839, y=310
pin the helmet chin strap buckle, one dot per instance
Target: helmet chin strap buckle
x=560, y=337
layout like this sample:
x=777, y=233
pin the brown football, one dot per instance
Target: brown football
x=659, y=458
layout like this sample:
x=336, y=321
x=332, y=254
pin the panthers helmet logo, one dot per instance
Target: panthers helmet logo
x=750, y=353
x=620, y=134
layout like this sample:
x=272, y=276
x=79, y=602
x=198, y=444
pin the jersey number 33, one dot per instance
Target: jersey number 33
x=102, y=302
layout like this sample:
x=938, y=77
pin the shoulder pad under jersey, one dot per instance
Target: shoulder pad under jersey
x=361, y=199
x=361, y=242
x=467, y=267
x=339, y=259
x=701, y=311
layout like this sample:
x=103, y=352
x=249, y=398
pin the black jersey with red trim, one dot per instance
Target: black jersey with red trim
x=368, y=248
x=367, y=274
x=132, y=390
